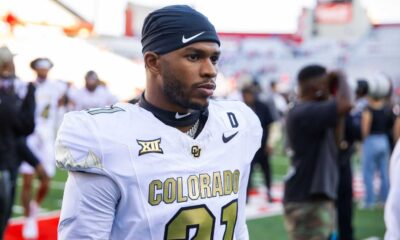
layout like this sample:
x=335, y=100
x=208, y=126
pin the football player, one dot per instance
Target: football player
x=48, y=95
x=94, y=94
x=392, y=210
x=173, y=166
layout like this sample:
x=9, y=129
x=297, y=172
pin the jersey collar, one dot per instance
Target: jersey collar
x=173, y=119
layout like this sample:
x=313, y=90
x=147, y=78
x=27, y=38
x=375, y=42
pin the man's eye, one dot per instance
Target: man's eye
x=214, y=59
x=193, y=57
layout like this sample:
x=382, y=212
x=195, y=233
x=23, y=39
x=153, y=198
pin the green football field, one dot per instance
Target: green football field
x=367, y=223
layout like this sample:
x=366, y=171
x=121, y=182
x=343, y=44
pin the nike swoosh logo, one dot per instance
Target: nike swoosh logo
x=179, y=116
x=185, y=40
x=227, y=139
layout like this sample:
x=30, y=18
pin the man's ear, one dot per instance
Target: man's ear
x=152, y=62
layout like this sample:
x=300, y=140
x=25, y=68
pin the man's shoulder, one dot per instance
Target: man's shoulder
x=58, y=84
x=262, y=106
x=311, y=107
x=85, y=134
x=236, y=106
x=111, y=111
x=102, y=90
x=52, y=87
x=223, y=104
x=235, y=112
x=102, y=116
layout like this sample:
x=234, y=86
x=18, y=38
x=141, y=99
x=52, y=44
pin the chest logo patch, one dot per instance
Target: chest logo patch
x=150, y=146
x=196, y=151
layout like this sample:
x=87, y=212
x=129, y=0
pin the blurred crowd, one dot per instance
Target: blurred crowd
x=323, y=125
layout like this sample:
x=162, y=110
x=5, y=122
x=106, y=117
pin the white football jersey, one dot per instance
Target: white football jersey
x=47, y=95
x=392, y=209
x=100, y=97
x=41, y=141
x=170, y=186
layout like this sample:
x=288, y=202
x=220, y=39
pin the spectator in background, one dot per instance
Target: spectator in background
x=278, y=126
x=391, y=115
x=267, y=98
x=312, y=180
x=94, y=94
x=16, y=120
x=360, y=104
x=376, y=144
x=344, y=201
x=49, y=95
x=249, y=93
x=279, y=100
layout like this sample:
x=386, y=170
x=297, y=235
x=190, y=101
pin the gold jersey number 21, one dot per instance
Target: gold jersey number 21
x=201, y=218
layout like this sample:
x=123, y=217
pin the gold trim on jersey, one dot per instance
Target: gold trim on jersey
x=193, y=187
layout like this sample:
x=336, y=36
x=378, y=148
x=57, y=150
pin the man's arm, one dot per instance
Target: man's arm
x=25, y=154
x=366, y=121
x=396, y=129
x=27, y=111
x=269, y=126
x=90, y=195
x=89, y=206
x=343, y=94
x=343, y=102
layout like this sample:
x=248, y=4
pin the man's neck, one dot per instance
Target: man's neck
x=175, y=119
x=41, y=80
x=91, y=90
x=160, y=101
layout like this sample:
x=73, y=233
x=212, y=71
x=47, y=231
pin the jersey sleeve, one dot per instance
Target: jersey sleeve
x=77, y=146
x=392, y=208
x=88, y=208
x=242, y=233
x=254, y=130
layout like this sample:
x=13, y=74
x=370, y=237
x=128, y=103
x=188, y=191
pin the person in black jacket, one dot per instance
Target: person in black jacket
x=16, y=122
x=315, y=130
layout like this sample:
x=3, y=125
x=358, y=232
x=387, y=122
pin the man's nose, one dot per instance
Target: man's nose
x=209, y=69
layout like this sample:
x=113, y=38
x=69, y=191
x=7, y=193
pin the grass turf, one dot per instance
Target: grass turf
x=367, y=223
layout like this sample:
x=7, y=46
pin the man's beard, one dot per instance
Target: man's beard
x=174, y=90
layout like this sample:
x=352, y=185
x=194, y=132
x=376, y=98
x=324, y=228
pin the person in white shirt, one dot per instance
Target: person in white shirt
x=48, y=96
x=392, y=206
x=173, y=166
x=94, y=94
